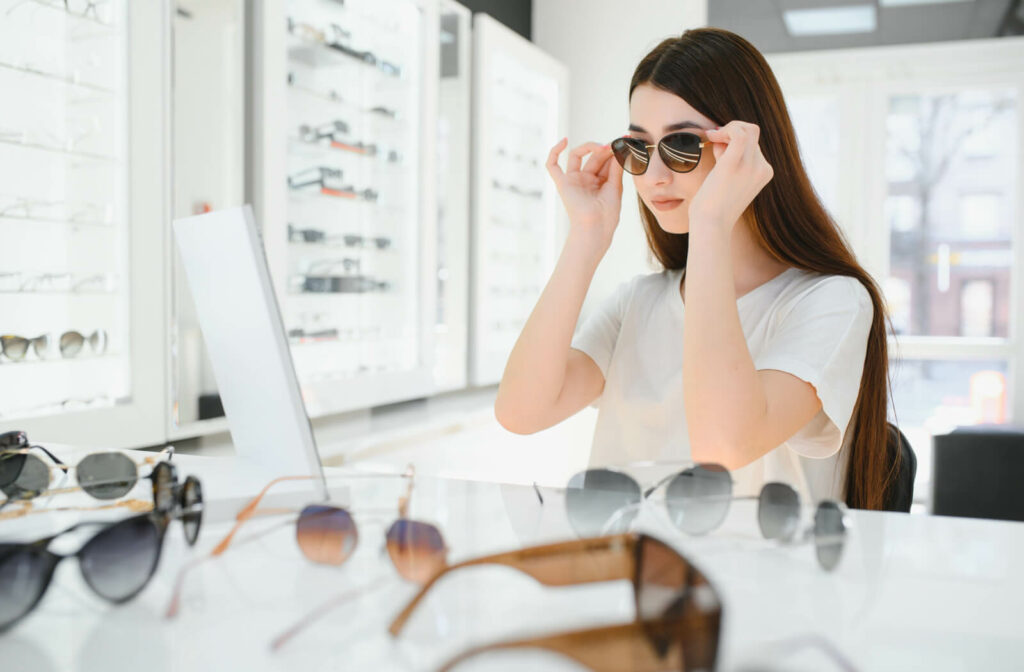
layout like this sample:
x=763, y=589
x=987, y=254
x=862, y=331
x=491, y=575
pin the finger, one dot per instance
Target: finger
x=554, y=170
x=612, y=174
x=598, y=160
x=577, y=154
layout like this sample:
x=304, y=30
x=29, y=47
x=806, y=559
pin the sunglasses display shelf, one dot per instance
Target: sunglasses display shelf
x=63, y=207
x=520, y=110
x=348, y=252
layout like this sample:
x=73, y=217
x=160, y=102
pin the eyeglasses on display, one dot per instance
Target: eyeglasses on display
x=678, y=611
x=70, y=344
x=116, y=563
x=697, y=500
x=340, y=284
x=329, y=181
x=679, y=151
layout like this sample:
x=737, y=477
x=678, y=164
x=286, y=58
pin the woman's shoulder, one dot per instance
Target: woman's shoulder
x=826, y=290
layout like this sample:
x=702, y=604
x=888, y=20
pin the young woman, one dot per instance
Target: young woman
x=761, y=345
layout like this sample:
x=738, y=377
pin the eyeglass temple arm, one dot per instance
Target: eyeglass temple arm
x=560, y=564
x=56, y=460
x=604, y=649
x=249, y=510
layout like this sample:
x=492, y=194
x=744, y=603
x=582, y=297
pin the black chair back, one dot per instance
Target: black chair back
x=978, y=472
x=900, y=494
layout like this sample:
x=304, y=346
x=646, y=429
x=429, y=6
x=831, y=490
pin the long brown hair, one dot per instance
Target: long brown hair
x=724, y=77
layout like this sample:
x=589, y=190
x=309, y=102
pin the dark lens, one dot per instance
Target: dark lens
x=24, y=575
x=326, y=534
x=23, y=476
x=661, y=577
x=829, y=533
x=119, y=561
x=680, y=151
x=98, y=341
x=778, y=511
x=595, y=497
x=13, y=439
x=40, y=344
x=107, y=475
x=698, y=498
x=417, y=549
x=192, y=505
x=71, y=343
x=164, y=478
x=631, y=153
x=15, y=347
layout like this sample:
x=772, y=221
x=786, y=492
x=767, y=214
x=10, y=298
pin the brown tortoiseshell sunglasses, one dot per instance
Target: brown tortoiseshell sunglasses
x=678, y=613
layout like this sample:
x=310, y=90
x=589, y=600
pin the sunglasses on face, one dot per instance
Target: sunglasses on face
x=116, y=563
x=328, y=535
x=678, y=612
x=697, y=500
x=679, y=151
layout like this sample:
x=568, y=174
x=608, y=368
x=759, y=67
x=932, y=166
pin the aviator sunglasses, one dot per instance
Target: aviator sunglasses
x=679, y=151
x=698, y=500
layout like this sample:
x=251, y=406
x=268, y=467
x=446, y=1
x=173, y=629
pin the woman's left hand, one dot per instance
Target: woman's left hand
x=739, y=174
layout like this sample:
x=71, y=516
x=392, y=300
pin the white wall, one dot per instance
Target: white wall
x=601, y=42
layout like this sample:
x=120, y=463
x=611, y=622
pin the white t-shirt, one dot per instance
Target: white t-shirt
x=812, y=326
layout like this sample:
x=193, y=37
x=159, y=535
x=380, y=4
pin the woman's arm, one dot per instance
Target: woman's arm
x=545, y=381
x=735, y=413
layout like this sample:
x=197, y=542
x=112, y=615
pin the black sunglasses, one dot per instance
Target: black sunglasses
x=117, y=562
x=679, y=151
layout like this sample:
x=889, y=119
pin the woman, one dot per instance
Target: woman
x=762, y=345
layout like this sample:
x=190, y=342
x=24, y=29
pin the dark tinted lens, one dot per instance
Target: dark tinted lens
x=829, y=533
x=661, y=576
x=15, y=347
x=631, y=153
x=24, y=574
x=98, y=341
x=107, y=475
x=165, y=478
x=326, y=534
x=417, y=549
x=119, y=561
x=778, y=511
x=595, y=496
x=71, y=343
x=192, y=505
x=13, y=439
x=680, y=151
x=23, y=476
x=698, y=498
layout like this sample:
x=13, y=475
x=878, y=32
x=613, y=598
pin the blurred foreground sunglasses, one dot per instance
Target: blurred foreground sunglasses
x=678, y=612
x=116, y=563
x=327, y=535
x=697, y=500
x=679, y=151
x=104, y=475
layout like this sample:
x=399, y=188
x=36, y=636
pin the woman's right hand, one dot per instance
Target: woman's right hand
x=592, y=195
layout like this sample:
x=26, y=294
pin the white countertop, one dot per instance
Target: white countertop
x=912, y=592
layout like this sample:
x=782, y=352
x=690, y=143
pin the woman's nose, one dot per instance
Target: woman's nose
x=657, y=172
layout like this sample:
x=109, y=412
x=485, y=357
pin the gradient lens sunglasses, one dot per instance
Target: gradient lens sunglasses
x=678, y=611
x=327, y=534
x=105, y=475
x=698, y=500
x=679, y=151
x=117, y=562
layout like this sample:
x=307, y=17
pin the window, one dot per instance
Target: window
x=976, y=308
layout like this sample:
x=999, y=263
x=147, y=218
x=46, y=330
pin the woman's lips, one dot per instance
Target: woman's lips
x=666, y=204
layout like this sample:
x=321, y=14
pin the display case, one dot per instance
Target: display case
x=520, y=111
x=81, y=158
x=346, y=135
x=451, y=329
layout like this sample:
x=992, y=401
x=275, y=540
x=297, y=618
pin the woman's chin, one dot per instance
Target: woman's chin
x=674, y=225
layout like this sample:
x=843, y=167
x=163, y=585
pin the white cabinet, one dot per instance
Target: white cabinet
x=82, y=201
x=520, y=111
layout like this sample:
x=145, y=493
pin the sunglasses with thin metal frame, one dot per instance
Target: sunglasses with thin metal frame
x=697, y=500
x=678, y=611
x=116, y=563
x=681, y=152
x=328, y=535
